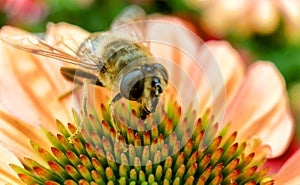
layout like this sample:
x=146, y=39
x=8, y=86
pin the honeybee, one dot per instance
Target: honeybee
x=101, y=60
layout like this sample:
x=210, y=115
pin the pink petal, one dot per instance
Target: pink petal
x=278, y=162
x=289, y=173
x=260, y=108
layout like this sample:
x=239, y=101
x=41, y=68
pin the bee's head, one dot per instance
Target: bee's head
x=144, y=85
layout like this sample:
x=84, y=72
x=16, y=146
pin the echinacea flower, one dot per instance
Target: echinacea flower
x=255, y=106
x=246, y=17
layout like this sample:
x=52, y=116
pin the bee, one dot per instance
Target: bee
x=101, y=59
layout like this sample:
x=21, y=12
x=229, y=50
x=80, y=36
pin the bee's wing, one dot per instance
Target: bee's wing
x=66, y=37
x=129, y=21
x=31, y=43
x=129, y=14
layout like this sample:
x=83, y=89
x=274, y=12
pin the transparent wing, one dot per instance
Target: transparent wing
x=130, y=21
x=65, y=37
x=129, y=14
x=31, y=43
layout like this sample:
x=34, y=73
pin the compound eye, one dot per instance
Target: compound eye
x=162, y=71
x=132, y=85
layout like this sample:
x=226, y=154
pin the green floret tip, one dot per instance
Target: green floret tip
x=157, y=153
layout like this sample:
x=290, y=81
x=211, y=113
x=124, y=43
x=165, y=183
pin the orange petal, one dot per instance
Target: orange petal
x=260, y=108
x=289, y=174
x=206, y=68
x=291, y=14
x=16, y=135
x=30, y=85
x=231, y=67
x=264, y=17
x=178, y=47
x=7, y=175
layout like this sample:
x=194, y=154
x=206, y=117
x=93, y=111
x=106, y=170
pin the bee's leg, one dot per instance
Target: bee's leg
x=84, y=111
x=69, y=74
x=113, y=119
x=69, y=92
x=77, y=76
x=114, y=122
x=144, y=112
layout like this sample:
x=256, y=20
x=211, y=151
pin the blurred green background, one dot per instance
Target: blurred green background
x=96, y=15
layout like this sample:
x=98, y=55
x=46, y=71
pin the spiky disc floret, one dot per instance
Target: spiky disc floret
x=95, y=157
